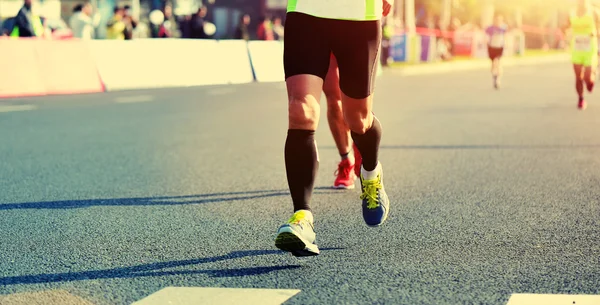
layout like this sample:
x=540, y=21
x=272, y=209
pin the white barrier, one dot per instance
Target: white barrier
x=158, y=63
x=236, y=61
x=19, y=71
x=267, y=60
x=135, y=64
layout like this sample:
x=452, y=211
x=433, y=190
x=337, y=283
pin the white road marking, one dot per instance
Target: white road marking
x=12, y=108
x=221, y=91
x=218, y=296
x=134, y=99
x=553, y=299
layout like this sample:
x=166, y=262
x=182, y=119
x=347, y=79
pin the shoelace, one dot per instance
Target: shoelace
x=344, y=170
x=370, y=188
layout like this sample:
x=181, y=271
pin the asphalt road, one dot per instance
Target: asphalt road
x=112, y=197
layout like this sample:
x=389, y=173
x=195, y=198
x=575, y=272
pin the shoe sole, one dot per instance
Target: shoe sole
x=385, y=217
x=344, y=187
x=299, y=247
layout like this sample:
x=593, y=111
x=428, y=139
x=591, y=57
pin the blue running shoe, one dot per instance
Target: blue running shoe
x=297, y=236
x=375, y=202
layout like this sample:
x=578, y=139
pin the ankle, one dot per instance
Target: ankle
x=370, y=175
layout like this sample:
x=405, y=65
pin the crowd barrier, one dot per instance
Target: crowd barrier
x=39, y=67
x=267, y=60
x=67, y=67
x=158, y=63
x=20, y=75
x=235, y=57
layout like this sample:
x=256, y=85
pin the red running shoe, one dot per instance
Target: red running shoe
x=357, y=160
x=582, y=104
x=345, y=176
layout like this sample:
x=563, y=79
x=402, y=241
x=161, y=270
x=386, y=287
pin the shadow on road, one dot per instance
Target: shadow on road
x=156, y=269
x=154, y=201
x=483, y=147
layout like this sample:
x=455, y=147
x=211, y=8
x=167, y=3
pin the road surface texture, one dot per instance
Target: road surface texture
x=109, y=198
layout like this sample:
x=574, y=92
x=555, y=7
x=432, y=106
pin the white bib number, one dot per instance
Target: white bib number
x=497, y=41
x=583, y=43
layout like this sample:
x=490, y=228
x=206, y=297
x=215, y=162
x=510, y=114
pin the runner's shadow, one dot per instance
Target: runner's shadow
x=157, y=269
x=151, y=201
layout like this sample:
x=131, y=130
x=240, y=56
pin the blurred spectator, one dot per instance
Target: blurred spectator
x=26, y=23
x=56, y=28
x=443, y=49
x=130, y=22
x=168, y=29
x=265, y=29
x=387, y=33
x=242, y=32
x=185, y=26
x=455, y=24
x=4, y=31
x=426, y=22
x=115, y=28
x=277, y=28
x=197, y=24
x=76, y=11
x=82, y=25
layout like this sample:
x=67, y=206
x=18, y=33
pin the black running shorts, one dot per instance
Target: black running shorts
x=309, y=42
x=495, y=52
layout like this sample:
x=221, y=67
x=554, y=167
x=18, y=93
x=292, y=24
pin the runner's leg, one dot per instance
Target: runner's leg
x=341, y=134
x=589, y=78
x=357, y=52
x=306, y=61
x=578, y=69
x=335, y=116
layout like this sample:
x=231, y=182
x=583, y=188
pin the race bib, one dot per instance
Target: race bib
x=583, y=43
x=497, y=41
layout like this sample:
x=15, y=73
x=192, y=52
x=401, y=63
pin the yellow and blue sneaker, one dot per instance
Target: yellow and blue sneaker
x=298, y=236
x=375, y=202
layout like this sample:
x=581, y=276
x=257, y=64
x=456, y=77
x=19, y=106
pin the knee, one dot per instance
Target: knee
x=359, y=122
x=303, y=112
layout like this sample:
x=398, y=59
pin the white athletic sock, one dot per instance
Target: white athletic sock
x=370, y=175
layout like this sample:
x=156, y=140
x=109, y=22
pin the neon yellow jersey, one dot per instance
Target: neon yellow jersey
x=583, y=25
x=584, y=32
x=116, y=29
x=38, y=28
x=339, y=9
